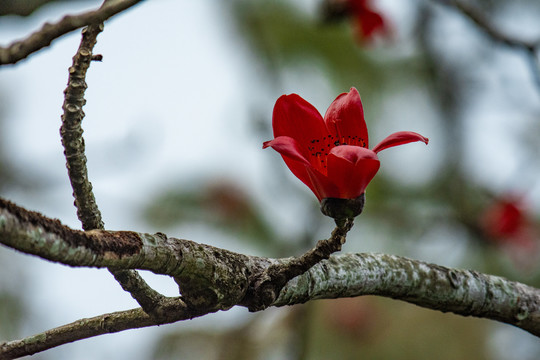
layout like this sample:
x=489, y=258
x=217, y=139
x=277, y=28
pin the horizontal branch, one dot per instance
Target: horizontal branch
x=463, y=292
x=213, y=279
x=19, y=50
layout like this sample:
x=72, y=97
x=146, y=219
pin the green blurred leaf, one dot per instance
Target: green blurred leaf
x=218, y=204
x=282, y=35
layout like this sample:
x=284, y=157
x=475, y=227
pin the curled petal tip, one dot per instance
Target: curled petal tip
x=287, y=147
x=399, y=138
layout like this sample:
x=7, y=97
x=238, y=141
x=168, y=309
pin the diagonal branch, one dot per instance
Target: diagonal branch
x=74, y=150
x=21, y=49
x=103, y=324
x=530, y=48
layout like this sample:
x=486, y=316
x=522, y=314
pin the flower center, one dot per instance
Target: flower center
x=320, y=148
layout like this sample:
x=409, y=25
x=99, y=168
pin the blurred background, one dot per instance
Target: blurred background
x=175, y=119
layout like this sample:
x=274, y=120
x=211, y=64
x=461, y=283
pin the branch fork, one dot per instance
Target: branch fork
x=265, y=288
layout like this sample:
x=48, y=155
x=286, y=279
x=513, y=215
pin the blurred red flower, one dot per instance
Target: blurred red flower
x=330, y=155
x=358, y=318
x=506, y=222
x=368, y=20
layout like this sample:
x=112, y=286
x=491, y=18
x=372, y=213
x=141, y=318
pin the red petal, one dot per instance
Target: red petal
x=288, y=147
x=399, y=138
x=345, y=119
x=297, y=163
x=351, y=168
x=298, y=119
x=321, y=186
x=353, y=154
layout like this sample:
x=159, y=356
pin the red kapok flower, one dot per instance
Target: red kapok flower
x=330, y=155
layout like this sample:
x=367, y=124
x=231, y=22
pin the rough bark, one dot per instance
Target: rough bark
x=71, y=133
x=215, y=279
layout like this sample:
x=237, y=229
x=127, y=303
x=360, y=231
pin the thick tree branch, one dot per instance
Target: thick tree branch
x=214, y=279
x=463, y=292
x=21, y=49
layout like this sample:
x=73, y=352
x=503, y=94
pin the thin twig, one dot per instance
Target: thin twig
x=21, y=49
x=173, y=311
x=530, y=48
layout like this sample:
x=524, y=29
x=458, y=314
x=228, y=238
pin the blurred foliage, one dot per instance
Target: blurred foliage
x=379, y=328
x=12, y=313
x=219, y=204
x=348, y=328
x=235, y=344
x=281, y=36
x=13, y=308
